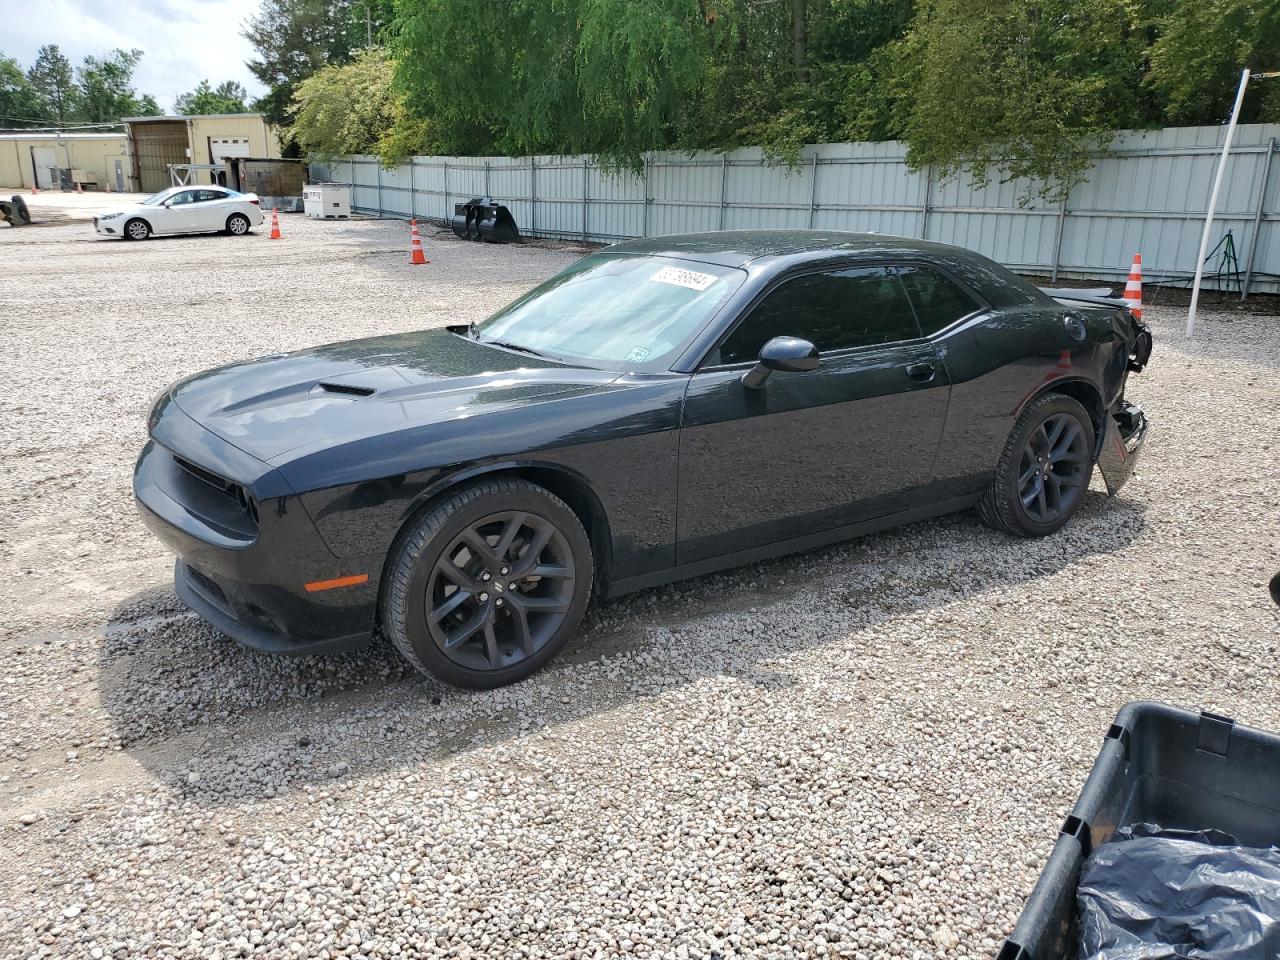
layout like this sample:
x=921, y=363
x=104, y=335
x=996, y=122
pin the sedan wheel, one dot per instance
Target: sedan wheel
x=237, y=224
x=137, y=230
x=489, y=585
x=1044, y=471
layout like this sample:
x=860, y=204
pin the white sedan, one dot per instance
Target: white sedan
x=184, y=210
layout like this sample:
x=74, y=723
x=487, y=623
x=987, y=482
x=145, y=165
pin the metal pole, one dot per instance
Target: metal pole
x=813, y=190
x=1213, y=201
x=1057, y=239
x=533, y=196
x=644, y=223
x=447, y=212
x=724, y=183
x=928, y=197
x=585, y=199
x=413, y=188
x=1257, y=219
x=379, y=163
x=486, y=179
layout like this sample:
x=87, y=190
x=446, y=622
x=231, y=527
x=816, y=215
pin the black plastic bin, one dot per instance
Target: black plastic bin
x=1161, y=765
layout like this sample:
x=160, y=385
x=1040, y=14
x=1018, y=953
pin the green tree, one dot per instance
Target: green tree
x=1196, y=63
x=610, y=77
x=296, y=38
x=18, y=102
x=1026, y=91
x=353, y=109
x=227, y=97
x=54, y=85
x=106, y=88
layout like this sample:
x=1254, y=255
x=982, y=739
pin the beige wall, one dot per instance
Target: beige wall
x=95, y=154
x=263, y=141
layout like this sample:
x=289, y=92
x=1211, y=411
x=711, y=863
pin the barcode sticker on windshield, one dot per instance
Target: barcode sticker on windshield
x=683, y=278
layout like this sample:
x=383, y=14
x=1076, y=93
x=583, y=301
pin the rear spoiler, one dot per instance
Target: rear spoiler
x=1098, y=296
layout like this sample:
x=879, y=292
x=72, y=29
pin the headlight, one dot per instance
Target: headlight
x=110, y=216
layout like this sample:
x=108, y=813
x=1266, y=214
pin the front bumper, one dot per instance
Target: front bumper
x=108, y=228
x=1123, y=436
x=246, y=576
x=206, y=597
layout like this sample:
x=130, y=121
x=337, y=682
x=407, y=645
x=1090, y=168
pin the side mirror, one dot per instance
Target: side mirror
x=787, y=354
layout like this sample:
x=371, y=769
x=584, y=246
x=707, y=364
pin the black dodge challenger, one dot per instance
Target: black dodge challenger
x=660, y=409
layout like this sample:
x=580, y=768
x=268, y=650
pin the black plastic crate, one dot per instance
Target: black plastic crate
x=1162, y=765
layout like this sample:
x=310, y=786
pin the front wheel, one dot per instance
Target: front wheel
x=137, y=230
x=489, y=585
x=237, y=224
x=1044, y=470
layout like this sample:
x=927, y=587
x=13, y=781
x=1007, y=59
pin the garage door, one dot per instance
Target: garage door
x=220, y=148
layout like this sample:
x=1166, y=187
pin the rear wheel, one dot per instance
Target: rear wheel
x=237, y=224
x=487, y=586
x=137, y=229
x=1044, y=470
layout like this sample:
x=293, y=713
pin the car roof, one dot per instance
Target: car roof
x=737, y=248
x=770, y=251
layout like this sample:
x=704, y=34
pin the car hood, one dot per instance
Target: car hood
x=342, y=392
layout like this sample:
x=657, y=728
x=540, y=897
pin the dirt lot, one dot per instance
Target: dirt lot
x=857, y=752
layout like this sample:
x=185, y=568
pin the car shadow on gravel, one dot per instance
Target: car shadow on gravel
x=221, y=724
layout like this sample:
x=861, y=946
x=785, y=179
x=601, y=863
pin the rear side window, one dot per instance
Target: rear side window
x=858, y=307
x=938, y=300
x=207, y=195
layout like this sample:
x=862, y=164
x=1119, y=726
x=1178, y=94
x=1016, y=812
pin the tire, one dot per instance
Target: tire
x=452, y=555
x=1044, y=470
x=137, y=229
x=237, y=224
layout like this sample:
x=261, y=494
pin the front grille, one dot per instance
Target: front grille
x=226, y=487
x=220, y=502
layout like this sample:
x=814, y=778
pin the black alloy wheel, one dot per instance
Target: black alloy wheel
x=1043, y=473
x=500, y=591
x=1054, y=468
x=488, y=583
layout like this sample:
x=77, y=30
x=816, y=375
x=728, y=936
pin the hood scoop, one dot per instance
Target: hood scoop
x=343, y=389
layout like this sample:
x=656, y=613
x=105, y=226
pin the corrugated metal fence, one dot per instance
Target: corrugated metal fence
x=1146, y=194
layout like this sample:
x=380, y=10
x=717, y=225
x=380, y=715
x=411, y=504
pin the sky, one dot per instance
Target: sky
x=183, y=41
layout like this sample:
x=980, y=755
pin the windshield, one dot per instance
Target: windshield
x=158, y=198
x=614, y=309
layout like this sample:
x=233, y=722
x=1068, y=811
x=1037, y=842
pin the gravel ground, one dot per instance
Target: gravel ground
x=863, y=751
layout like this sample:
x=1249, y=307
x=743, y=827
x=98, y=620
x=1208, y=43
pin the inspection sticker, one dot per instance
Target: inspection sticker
x=683, y=278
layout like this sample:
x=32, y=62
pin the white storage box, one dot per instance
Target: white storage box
x=325, y=201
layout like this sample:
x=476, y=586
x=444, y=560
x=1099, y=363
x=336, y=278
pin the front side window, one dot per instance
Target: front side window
x=620, y=311
x=938, y=300
x=837, y=310
x=185, y=197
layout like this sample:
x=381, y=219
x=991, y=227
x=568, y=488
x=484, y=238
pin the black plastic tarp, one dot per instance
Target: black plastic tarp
x=1157, y=894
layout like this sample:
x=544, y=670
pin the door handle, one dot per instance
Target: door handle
x=924, y=372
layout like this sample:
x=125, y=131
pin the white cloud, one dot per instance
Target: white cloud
x=183, y=41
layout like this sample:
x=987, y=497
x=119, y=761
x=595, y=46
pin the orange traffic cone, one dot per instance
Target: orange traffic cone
x=417, y=255
x=275, y=225
x=34, y=191
x=79, y=189
x=1133, y=289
